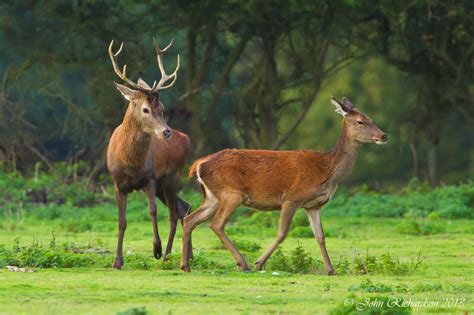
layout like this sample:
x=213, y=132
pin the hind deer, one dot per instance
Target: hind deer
x=145, y=154
x=269, y=180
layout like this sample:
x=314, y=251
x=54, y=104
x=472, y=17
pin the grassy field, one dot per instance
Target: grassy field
x=444, y=276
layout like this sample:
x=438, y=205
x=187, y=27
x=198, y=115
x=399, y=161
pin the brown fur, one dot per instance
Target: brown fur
x=139, y=160
x=268, y=180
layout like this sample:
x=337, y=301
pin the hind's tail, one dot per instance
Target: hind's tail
x=193, y=169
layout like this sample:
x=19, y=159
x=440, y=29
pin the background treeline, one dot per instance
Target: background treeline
x=255, y=74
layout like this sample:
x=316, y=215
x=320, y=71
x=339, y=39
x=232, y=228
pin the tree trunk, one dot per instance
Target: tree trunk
x=414, y=158
x=432, y=145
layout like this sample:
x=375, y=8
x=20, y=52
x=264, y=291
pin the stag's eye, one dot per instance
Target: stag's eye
x=360, y=122
x=146, y=110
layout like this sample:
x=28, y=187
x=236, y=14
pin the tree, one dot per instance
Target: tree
x=433, y=41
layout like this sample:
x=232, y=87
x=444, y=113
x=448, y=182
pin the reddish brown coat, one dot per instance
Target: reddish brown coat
x=286, y=180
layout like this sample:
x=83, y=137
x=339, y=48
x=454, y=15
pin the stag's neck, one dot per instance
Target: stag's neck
x=135, y=144
x=343, y=156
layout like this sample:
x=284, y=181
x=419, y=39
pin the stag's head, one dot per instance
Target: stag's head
x=144, y=100
x=359, y=126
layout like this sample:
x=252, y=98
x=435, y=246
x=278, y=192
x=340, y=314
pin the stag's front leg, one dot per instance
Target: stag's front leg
x=122, y=225
x=150, y=191
x=314, y=216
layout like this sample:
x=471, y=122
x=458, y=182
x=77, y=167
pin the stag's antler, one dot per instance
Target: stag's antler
x=122, y=75
x=159, y=57
x=164, y=77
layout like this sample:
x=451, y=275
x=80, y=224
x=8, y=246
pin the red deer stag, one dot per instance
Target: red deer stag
x=145, y=154
x=268, y=180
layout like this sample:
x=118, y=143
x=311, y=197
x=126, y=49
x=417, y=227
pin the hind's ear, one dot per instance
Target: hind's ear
x=340, y=107
x=347, y=104
x=125, y=91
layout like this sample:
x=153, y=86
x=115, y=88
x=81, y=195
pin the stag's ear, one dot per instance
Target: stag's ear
x=347, y=104
x=126, y=91
x=340, y=107
x=143, y=84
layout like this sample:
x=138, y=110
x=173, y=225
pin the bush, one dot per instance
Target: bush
x=53, y=256
x=299, y=261
x=63, y=184
x=134, y=311
x=368, y=286
x=201, y=261
x=416, y=200
x=301, y=231
x=75, y=225
x=263, y=219
x=420, y=227
x=428, y=287
x=385, y=264
x=242, y=245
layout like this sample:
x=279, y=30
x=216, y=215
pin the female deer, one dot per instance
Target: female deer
x=268, y=180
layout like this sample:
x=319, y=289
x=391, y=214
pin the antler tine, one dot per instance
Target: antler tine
x=122, y=75
x=164, y=77
x=174, y=75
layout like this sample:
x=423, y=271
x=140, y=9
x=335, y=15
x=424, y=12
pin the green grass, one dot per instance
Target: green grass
x=445, y=271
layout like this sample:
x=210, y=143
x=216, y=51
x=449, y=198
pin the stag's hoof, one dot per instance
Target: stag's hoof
x=331, y=272
x=243, y=266
x=157, y=250
x=118, y=263
x=185, y=268
x=258, y=266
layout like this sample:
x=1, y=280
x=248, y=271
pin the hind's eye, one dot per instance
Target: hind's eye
x=360, y=122
x=146, y=110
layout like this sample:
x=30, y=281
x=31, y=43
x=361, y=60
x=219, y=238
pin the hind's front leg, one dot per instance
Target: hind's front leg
x=150, y=191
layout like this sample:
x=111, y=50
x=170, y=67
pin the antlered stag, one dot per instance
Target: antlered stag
x=268, y=180
x=145, y=154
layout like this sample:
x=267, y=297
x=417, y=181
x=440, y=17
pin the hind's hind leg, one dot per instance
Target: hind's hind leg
x=204, y=212
x=227, y=206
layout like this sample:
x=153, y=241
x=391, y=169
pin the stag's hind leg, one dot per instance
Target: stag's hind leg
x=287, y=212
x=150, y=192
x=167, y=188
x=314, y=216
x=204, y=212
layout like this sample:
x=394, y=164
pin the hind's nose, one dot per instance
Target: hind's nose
x=385, y=137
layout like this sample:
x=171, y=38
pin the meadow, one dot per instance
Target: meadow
x=398, y=252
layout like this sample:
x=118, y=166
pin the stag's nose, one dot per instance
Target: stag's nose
x=385, y=137
x=167, y=133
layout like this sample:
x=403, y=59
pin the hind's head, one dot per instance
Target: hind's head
x=359, y=126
